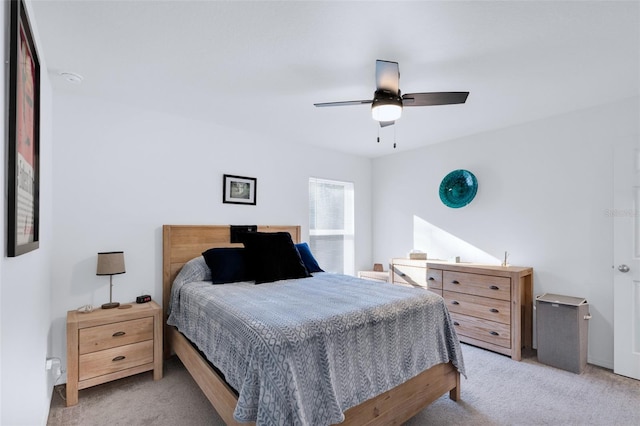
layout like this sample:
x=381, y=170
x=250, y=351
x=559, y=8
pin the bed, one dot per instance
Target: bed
x=185, y=243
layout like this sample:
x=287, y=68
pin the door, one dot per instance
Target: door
x=626, y=255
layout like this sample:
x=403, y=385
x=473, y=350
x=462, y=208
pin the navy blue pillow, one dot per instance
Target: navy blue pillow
x=309, y=261
x=228, y=264
x=273, y=256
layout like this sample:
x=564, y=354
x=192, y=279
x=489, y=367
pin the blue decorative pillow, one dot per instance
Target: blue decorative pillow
x=273, y=256
x=228, y=265
x=309, y=261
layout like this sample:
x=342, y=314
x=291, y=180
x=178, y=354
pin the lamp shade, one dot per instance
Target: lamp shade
x=110, y=263
x=386, y=106
x=386, y=112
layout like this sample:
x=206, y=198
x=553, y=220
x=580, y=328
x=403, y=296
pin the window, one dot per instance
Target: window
x=331, y=233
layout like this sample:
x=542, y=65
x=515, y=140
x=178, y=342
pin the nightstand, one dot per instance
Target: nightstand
x=109, y=344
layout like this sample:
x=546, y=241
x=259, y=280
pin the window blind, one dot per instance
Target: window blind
x=331, y=227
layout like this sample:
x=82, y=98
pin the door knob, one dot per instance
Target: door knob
x=623, y=268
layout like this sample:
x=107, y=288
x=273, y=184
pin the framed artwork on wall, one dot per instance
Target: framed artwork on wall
x=239, y=190
x=23, y=160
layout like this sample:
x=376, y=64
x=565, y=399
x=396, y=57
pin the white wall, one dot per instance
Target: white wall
x=544, y=188
x=121, y=173
x=25, y=283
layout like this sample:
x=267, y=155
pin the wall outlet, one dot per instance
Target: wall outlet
x=53, y=364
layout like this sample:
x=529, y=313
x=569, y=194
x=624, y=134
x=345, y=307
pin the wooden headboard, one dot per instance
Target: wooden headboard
x=181, y=243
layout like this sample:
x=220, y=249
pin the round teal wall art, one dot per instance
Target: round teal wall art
x=458, y=188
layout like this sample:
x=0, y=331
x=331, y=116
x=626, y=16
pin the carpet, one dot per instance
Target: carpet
x=498, y=391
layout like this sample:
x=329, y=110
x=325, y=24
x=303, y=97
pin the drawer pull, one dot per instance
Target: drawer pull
x=431, y=279
x=402, y=274
x=494, y=333
x=118, y=358
x=455, y=302
x=455, y=282
x=456, y=323
x=494, y=287
x=494, y=310
x=118, y=334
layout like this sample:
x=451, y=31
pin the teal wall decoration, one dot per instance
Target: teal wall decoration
x=458, y=188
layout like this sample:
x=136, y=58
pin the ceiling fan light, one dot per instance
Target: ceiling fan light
x=388, y=112
x=386, y=106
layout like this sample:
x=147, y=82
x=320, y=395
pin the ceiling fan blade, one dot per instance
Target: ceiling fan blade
x=434, y=98
x=386, y=123
x=387, y=76
x=344, y=103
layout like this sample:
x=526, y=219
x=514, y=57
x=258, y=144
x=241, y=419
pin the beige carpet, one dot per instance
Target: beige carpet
x=498, y=391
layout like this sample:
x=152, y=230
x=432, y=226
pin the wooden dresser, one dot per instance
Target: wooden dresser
x=414, y=273
x=374, y=275
x=491, y=306
x=109, y=344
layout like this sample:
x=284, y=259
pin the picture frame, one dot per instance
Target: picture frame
x=239, y=190
x=23, y=160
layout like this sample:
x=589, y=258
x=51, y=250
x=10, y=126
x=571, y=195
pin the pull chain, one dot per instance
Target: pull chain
x=394, y=136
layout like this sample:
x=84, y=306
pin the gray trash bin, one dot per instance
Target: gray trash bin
x=562, y=330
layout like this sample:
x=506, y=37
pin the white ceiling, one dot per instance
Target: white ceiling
x=260, y=66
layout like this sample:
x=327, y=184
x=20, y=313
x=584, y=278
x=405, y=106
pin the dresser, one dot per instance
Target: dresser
x=414, y=273
x=108, y=344
x=491, y=306
x=382, y=276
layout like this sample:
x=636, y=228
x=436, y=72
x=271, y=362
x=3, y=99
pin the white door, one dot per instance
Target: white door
x=626, y=255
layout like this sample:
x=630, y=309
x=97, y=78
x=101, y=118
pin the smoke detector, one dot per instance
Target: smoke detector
x=72, y=77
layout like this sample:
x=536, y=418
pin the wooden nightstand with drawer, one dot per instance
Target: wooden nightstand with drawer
x=109, y=344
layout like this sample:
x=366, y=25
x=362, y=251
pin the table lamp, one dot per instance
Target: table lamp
x=110, y=263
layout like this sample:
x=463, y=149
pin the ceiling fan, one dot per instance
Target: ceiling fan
x=387, y=103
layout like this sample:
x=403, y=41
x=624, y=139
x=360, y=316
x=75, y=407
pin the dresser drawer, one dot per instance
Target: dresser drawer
x=477, y=284
x=487, y=331
x=374, y=275
x=434, y=279
x=411, y=275
x=115, y=359
x=480, y=307
x=107, y=336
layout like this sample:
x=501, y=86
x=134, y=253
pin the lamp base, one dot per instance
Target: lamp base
x=110, y=305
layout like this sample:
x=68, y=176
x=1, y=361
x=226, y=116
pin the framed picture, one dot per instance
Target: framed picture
x=238, y=190
x=23, y=168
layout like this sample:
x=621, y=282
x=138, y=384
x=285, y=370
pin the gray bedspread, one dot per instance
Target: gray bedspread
x=300, y=352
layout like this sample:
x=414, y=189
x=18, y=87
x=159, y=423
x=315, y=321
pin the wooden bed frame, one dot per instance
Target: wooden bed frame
x=182, y=243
